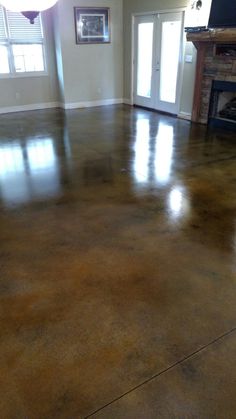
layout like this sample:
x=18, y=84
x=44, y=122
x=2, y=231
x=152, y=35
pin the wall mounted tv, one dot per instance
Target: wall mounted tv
x=222, y=14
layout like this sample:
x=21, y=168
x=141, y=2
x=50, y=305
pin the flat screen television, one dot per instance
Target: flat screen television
x=222, y=14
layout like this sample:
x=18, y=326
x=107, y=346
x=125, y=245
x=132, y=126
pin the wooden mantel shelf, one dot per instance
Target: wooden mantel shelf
x=213, y=35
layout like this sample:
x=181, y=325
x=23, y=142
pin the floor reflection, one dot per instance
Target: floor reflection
x=153, y=165
x=178, y=203
x=142, y=151
x=163, y=153
x=40, y=155
x=67, y=155
x=28, y=170
x=11, y=160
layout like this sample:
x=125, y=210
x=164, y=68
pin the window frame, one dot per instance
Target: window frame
x=13, y=74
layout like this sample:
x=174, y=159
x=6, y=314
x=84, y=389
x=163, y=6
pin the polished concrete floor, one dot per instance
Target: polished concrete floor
x=118, y=267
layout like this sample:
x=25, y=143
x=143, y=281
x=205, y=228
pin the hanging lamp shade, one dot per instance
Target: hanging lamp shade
x=29, y=8
x=25, y=5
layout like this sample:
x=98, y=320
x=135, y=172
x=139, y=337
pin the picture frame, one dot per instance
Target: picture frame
x=92, y=25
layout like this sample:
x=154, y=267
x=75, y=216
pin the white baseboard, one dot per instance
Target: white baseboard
x=76, y=105
x=92, y=103
x=185, y=115
x=32, y=107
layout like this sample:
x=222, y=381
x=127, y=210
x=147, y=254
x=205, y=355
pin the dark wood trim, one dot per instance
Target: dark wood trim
x=213, y=35
x=198, y=81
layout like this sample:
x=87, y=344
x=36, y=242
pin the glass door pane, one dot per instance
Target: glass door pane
x=170, y=47
x=145, y=48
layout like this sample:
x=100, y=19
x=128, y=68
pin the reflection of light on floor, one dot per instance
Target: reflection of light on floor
x=11, y=160
x=28, y=172
x=41, y=154
x=163, y=153
x=43, y=168
x=141, y=148
x=13, y=178
x=179, y=204
x=175, y=201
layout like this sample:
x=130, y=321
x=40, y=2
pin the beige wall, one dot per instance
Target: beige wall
x=76, y=73
x=90, y=72
x=80, y=74
x=143, y=6
x=22, y=91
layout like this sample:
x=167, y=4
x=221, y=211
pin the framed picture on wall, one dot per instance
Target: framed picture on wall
x=92, y=25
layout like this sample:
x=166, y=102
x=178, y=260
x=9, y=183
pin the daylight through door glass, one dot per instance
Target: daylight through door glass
x=145, y=42
x=170, y=45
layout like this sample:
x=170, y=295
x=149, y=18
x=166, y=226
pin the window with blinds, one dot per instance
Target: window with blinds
x=21, y=44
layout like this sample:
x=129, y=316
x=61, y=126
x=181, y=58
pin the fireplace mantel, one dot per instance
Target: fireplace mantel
x=209, y=67
x=213, y=35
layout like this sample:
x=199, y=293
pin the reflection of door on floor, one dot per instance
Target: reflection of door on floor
x=157, y=61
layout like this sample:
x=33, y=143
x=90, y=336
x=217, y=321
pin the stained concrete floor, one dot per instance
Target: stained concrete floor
x=118, y=276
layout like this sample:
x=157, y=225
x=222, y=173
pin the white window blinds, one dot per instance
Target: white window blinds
x=2, y=26
x=21, y=30
x=21, y=44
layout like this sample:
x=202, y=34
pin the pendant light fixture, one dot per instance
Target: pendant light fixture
x=28, y=8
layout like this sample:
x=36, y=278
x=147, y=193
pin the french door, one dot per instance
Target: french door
x=157, y=61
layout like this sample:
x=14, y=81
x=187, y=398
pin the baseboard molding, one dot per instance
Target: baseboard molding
x=32, y=107
x=66, y=106
x=92, y=103
x=185, y=115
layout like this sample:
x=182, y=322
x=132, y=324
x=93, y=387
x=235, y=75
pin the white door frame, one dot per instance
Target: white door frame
x=182, y=47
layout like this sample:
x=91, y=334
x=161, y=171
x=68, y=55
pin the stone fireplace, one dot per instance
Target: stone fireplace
x=215, y=76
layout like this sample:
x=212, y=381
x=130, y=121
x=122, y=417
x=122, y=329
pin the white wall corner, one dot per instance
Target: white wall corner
x=128, y=101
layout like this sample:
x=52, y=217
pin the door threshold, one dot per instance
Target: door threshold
x=155, y=110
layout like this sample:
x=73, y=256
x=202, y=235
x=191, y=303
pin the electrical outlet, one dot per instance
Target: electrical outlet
x=188, y=58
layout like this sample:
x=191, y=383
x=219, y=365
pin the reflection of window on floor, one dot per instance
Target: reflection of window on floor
x=41, y=154
x=141, y=149
x=163, y=152
x=179, y=204
x=160, y=166
x=29, y=172
x=175, y=201
x=11, y=160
